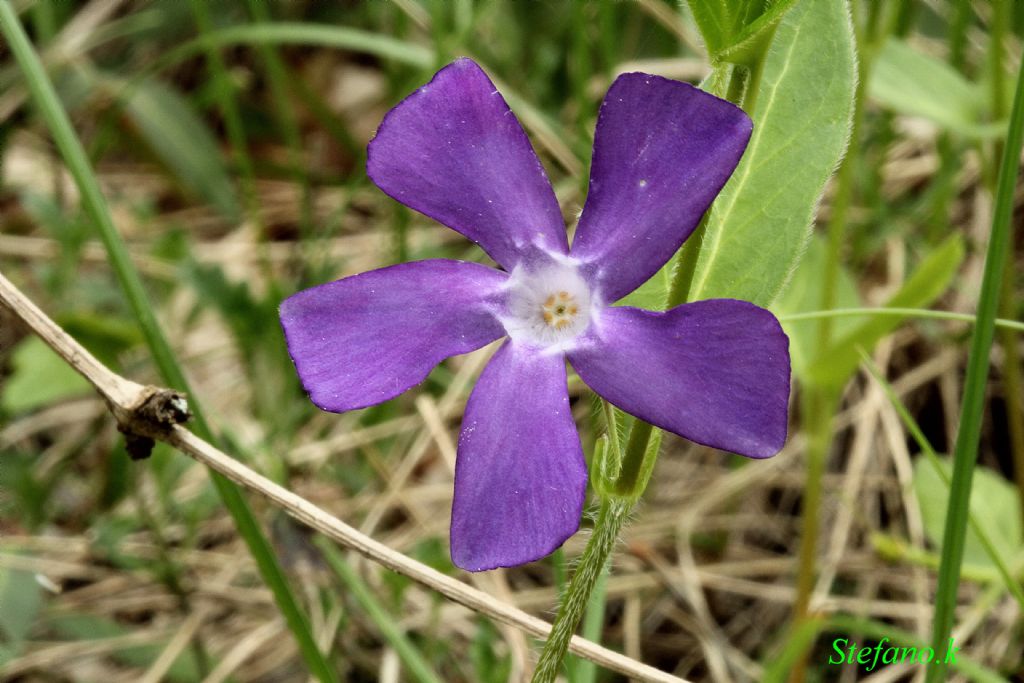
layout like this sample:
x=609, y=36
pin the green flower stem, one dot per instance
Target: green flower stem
x=70, y=147
x=636, y=460
x=611, y=517
x=818, y=405
x=686, y=266
x=972, y=409
x=686, y=260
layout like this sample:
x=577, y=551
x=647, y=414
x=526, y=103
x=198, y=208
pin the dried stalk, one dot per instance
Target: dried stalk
x=146, y=412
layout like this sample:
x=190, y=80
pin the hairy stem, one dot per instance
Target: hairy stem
x=611, y=517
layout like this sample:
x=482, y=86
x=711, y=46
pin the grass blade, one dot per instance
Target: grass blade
x=922, y=313
x=181, y=141
x=289, y=33
x=972, y=409
x=585, y=671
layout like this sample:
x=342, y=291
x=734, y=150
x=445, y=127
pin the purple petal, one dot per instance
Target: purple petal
x=715, y=372
x=520, y=478
x=367, y=338
x=454, y=151
x=662, y=151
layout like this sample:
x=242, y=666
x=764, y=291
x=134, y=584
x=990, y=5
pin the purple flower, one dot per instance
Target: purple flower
x=715, y=372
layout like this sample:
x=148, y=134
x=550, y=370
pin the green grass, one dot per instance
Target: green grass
x=965, y=452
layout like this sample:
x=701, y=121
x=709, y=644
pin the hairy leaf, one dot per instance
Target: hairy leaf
x=714, y=23
x=751, y=39
x=760, y=224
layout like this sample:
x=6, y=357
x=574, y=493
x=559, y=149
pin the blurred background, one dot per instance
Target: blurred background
x=234, y=169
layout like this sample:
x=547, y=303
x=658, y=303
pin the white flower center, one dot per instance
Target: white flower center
x=548, y=307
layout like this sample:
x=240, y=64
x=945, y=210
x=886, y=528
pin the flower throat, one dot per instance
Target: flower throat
x=548, y=306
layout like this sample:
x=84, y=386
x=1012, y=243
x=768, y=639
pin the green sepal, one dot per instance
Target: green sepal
x=637, y=463
x=605, y=467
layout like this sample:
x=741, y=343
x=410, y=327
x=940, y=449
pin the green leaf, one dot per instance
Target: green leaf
x=753, y=37
x=803, y=293
x=994, y=505
x=737, y=31
x=912, y=83
x=20, y=600
x=932, y=277
x=758, y=227
x=713, y=22
x=652, y=294
x=180, y=139
x=40, y=377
